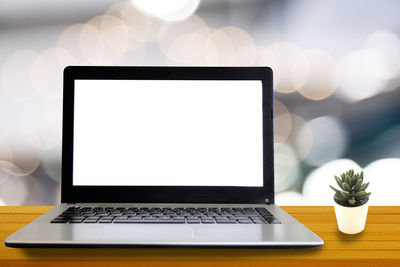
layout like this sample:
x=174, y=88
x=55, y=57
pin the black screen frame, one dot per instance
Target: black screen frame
x=166, y=194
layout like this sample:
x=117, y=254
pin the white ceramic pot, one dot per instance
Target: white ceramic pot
x=351, y=220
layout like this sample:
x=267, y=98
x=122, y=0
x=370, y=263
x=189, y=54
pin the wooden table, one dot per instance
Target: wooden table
x=378, y=245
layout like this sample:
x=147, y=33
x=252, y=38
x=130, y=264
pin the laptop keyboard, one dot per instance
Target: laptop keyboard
x=78, y=214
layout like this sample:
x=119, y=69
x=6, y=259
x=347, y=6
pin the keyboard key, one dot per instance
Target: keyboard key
x=120, y=220
x=75, y=221
x=273, y=221
x=77, y=218
x=225, y=222
x=173, y=221
x=92, y=218
x=90, y=221
x=121, y=217
x=59, y=221
x=105, y=221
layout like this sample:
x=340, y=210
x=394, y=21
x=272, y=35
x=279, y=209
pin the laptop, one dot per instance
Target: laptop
x=167, y=156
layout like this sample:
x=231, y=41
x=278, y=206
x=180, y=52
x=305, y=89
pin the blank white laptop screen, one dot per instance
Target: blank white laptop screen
x=168, y=133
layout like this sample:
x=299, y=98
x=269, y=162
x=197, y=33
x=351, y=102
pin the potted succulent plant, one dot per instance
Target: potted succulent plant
x=351, y=202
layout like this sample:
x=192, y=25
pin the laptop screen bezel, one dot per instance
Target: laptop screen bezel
x=166, y=194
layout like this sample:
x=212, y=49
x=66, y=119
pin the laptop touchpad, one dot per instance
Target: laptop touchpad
x=145, y=233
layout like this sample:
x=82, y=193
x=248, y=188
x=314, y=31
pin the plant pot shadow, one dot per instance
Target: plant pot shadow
x=348, y=237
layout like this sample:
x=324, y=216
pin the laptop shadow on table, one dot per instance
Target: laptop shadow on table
x=170, y=252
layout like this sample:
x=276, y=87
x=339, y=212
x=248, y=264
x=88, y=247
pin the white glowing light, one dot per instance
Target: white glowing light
x=290, y=198
x=358, y=81
x=316, y=188
x=384, y=178
x=329, y=140
x=171, y=10
x=315, y=74
x=384, y=50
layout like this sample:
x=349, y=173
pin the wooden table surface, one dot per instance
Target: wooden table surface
x=378, y=245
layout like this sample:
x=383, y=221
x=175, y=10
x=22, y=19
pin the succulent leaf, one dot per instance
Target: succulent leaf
x=351, y=201
x=345, y=194
x=358, y=194
x=347, y=187
x=365, y=196
x=348, y=180
x=339, y=197
x=364, y=186
x=339, y=182
x=351, y=181
x=357, y=186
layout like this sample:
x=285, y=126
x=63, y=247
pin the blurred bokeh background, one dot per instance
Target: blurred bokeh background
x=336, y=69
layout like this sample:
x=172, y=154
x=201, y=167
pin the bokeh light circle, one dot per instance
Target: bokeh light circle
x=244, y=49
x=282, y=122
x=329, y=140
x=175, y=37
x=287, y=171
x=315, y=74
x=357, y=80
x=15, y=75
x=96, y=40
x=14, y=190
x=47, y=72
x=384, y=50
x=25, y=156
x=384, y=178
x=35, y=125
x=219, y=50
x=300, y=127
x=280, y=57
x=69, y=41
